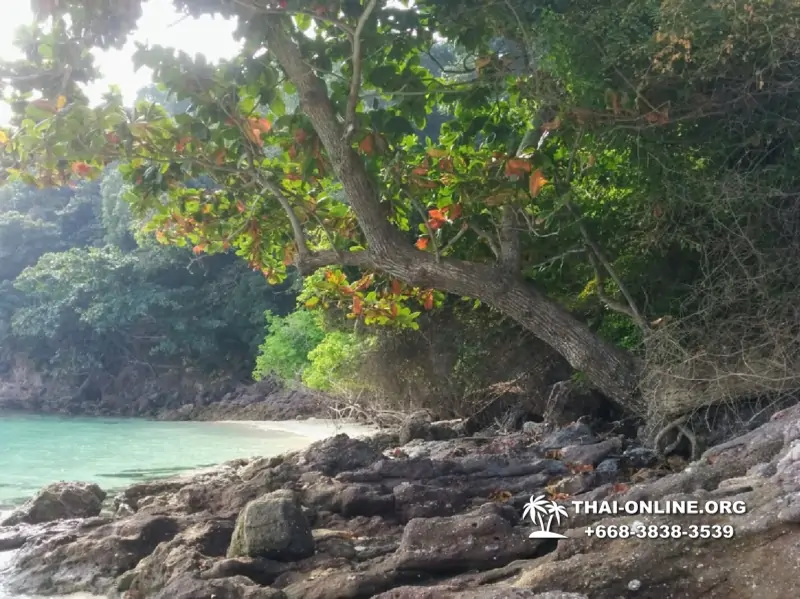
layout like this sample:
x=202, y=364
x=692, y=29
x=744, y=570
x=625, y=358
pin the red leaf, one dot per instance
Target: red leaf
x=422, y=243
x=517, y=167
x=81, y=168
x=397, y=287
x=428, y=304
x=537, y=182
x=358, y=305
x=367, y=145
x=198, y=249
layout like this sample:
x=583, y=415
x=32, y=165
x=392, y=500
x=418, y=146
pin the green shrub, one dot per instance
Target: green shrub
x=284, y=352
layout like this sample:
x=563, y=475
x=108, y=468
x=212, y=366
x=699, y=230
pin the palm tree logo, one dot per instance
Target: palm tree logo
x=536, y=509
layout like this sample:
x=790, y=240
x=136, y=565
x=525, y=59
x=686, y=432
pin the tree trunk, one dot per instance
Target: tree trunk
x=613, y=371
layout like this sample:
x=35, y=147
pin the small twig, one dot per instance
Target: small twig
x=464, y=228
x=355, y=82
x=487, y=238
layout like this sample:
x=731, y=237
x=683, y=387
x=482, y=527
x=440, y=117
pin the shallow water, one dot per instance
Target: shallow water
x=114, y=453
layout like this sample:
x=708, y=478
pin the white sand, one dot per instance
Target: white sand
x=313, y=429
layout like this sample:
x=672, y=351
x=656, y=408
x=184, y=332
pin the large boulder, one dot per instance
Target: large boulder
x=274, y=527
x=59, y=501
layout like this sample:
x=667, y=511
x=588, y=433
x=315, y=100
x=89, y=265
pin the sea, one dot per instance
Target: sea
x=115, y=453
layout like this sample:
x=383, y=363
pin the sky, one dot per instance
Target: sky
x=159, y=24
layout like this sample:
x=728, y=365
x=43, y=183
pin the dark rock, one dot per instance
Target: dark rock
x=423, y=501
x=259, y=570
x=186, y=586
x=639, y=457
x=363, y=500
x=591, y=454
x=87, y=557
x=479, y=540
x=576, y=433
x=59, y=501
x=340, y=454
x=274, y=527
x=416, y=426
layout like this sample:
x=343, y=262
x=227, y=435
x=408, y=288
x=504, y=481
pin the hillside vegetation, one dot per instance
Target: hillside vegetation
x=616, y=180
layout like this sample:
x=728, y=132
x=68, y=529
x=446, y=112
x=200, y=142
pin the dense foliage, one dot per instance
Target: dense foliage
x=82, y=292
x=609, y=175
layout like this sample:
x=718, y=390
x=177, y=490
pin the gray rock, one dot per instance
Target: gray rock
x=591, y=454
x=340, y=454
x=416, y=426
x=576, y=433
x=59, y=501
x=274, y=527
x=482, y=539
x=639, y=457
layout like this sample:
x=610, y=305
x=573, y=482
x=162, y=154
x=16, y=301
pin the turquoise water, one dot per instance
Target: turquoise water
x=114, y=453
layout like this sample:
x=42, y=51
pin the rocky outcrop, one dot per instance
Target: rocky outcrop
x=440, y=518
x=273, y=526
x=59, y=501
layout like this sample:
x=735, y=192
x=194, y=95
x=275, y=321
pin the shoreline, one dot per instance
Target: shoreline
x=313, y=429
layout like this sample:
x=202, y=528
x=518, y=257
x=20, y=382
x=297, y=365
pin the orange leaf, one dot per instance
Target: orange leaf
x=112, y=138
x=517, y=167
x=367, y=145
x=482, y=62
x=436, y=153
x=219, y=158
x=422, y=243
x=261, y=124
x=288, y=255
x=394, y=309
x=300, y=136
x=397, y=287
x=453, y=211
x=437, y=214
x=198, y=249
x=420, y=170
x=81, y=168
x=615, y=106
x=240, y=206
x=446, y=164
x=537, y=182
x=428, y=303
x=358, y=305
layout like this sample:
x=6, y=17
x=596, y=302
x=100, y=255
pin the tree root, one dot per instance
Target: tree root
x=683, y=431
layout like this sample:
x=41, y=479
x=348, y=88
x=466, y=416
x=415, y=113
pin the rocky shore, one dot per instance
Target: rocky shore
x=425, y=513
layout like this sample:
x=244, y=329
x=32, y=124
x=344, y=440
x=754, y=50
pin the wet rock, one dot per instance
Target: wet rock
x=259, y=570
x=607, y=470
x=274, y=527
x=340, y=454
x=59, y=501
x=576, y=433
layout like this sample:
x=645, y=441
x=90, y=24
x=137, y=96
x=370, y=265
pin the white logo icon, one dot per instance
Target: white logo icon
x=539, y=507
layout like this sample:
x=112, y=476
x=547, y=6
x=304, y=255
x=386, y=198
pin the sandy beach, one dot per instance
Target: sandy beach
x=312, y=429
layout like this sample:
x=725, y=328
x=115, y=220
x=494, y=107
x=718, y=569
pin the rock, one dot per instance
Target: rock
x=591, y=454
x=536, y=429
x=444, y=592
x=416, y=426
x=363, y=500
x=189, y=587
x=14, y=538
x=340, y=454
x=479, y=540
x=576, y=433
x=639, y=457
x=274, y=527
x=87, y=556
x=59, y=501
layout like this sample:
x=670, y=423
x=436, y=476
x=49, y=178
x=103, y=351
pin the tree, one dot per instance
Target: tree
x=570, y=122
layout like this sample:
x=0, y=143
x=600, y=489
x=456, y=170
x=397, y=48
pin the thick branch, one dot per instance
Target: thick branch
x=381, y=237
x=311, y=261
x=611, y=304
x=297, y=227
x=355, y=83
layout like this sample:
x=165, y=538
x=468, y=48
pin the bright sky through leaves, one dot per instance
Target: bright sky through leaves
x=160, y=24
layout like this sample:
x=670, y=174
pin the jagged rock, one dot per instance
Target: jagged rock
x=639, y=457
x=59, y=501
x=274, y=527
x=186, y=586
x=87, y=557
x=479, y=540
x=340, y=454
x=444, y=592
x=576, y=433
x=591, y=454
x=416, y=426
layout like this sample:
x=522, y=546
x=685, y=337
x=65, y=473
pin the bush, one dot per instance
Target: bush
x=284, y=352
